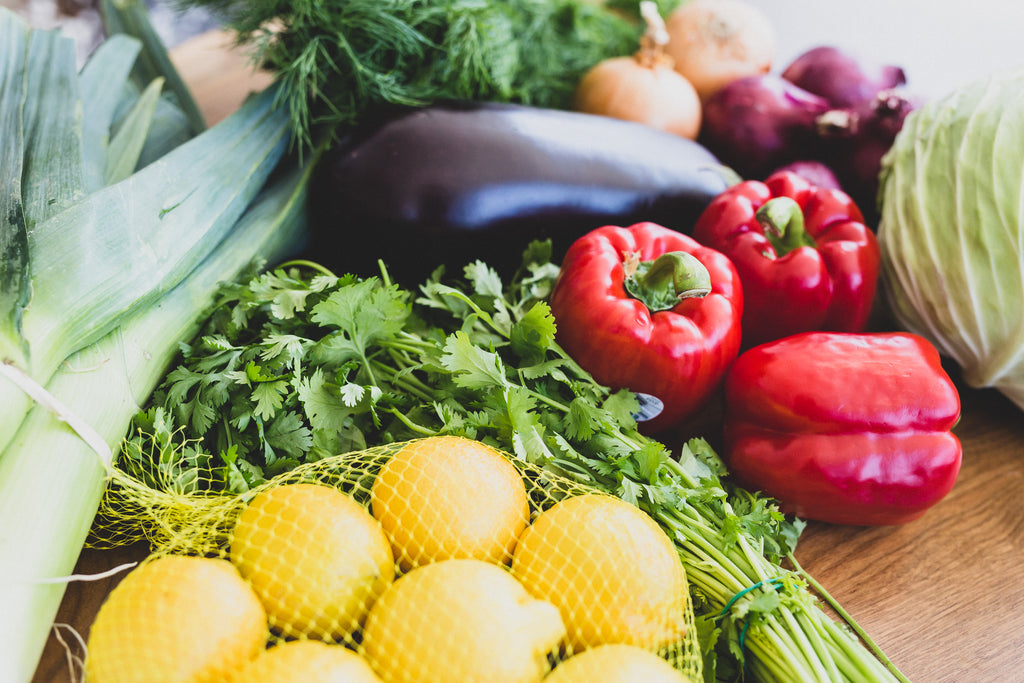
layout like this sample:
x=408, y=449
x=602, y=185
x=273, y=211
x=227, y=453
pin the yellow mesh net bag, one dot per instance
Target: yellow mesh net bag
x=439, y=559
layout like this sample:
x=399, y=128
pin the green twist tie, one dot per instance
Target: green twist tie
x=776, y=582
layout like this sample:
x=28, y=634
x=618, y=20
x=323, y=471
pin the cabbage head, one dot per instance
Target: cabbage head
x=952, y=229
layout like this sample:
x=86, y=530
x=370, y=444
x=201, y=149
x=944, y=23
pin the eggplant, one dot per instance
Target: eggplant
x=451, y=183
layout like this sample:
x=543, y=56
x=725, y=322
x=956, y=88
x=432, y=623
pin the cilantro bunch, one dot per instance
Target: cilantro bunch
x=298, y=364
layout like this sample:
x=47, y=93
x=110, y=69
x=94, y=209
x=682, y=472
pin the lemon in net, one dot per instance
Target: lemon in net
x=307, y=661
x=176, y=619
x=611, y=570
x=450, y=497
x=460, y=620
x=616, y=664
x=316, y=558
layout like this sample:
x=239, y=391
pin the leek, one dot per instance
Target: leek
x=122, y=246
x=53, y=175
x=104, y=385
x=110, y=63
x=127, y=144
x=15, y=287
x=99, y=283
x=131, y=17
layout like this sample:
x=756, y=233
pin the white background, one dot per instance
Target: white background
x=939, y=43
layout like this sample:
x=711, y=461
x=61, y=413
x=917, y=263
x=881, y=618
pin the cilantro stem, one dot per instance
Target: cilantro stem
x=811, y=636
x=815, y=645
x=788, y=665
x=761, y=570
x=412, y=343
x=848, y=619
x=304, y=263
x=547, y=400
x=412, y=426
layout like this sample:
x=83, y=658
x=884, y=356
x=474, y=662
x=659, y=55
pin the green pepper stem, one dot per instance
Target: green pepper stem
x=662, y=283
x=783, y=223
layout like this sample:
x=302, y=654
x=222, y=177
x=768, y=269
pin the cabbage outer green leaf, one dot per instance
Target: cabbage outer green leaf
x=952, y=229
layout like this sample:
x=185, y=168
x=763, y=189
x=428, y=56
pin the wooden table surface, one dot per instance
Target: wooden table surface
x=943, y=596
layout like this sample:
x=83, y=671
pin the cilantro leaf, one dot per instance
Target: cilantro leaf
x=290, y=434
x=268, y=398
x=361, y=315
x=584, y=419
x=471, y=366
x=287, y=349
x=324, y=408
x=534, y=333
x=486, y=281
x=622, y=406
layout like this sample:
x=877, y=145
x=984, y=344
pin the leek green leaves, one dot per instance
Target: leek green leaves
x=124, y=245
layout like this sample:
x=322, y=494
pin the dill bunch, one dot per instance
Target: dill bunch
x=337, y=59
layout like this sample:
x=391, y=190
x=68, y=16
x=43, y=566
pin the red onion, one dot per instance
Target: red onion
x=859, y=137
x=840, y=77
x=757, y=123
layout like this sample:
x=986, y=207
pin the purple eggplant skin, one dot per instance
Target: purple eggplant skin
x=843, y=78
x=758, y=123
x=453, y=183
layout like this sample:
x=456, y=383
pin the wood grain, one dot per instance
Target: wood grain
x=943, y=596
x=219, y=77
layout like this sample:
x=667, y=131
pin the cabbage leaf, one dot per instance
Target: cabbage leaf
x=952, y=229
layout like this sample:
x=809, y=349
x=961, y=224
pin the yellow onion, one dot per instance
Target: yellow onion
x=714, y=42
x=643, y=87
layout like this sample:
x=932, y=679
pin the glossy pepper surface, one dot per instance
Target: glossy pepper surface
x=649, y=309
x=843, y=427
x=805, y=257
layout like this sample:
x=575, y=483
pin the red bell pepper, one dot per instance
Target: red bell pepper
x=805, y=257
x=842, y=427
x=649, y=309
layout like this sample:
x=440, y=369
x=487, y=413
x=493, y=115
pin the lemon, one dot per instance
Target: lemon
x=316, y=558
x=616, y=664
x=611, y=570
x=460, y=620
x=449, y=497
x=176, y=619
x=307, y=661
